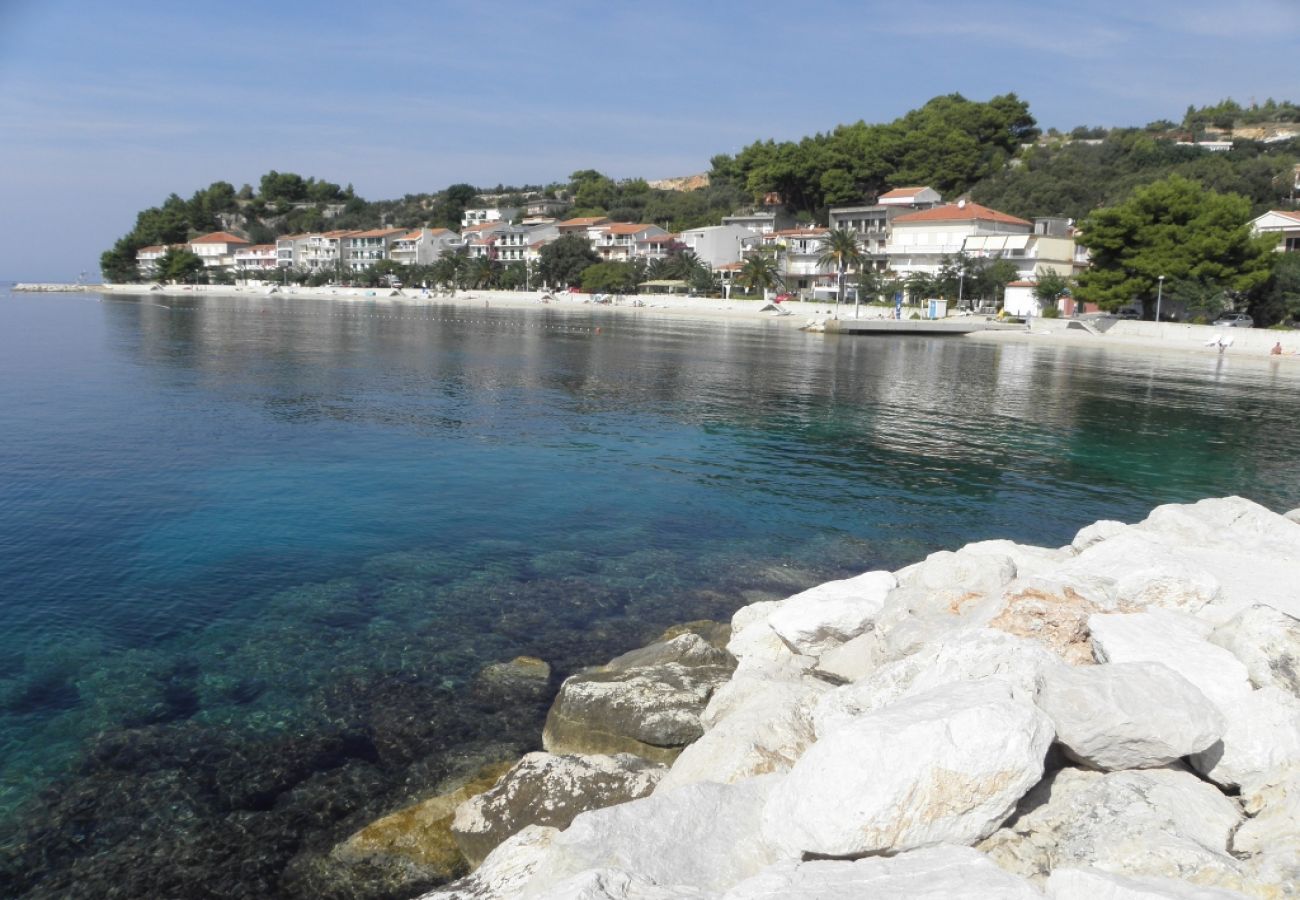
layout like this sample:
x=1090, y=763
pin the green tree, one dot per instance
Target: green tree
x=1049, y=287
x=1278, y=299
x=179, y=264
x=1196, y=238
x=759, y=274
x=609, y=278
x=840, y=251
x=562, y=262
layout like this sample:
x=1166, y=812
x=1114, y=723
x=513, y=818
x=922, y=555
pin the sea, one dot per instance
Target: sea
x=256, y=552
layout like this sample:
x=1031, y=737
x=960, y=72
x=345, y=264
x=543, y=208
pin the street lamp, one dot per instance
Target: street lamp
x=1160, y=291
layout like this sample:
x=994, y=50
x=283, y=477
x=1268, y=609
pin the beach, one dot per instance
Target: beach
x=1126, y=336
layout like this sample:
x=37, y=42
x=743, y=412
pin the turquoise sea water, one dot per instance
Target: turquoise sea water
x=254, y=551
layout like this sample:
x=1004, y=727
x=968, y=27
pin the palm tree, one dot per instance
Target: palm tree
x=482, y=272
x=759, y=273
x=840, y=249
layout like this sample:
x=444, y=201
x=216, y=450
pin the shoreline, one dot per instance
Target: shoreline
x=1134, y=337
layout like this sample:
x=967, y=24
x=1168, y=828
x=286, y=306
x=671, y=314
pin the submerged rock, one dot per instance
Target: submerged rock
x=414, y=846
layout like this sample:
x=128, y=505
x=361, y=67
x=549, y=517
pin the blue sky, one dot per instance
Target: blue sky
x=105, y=108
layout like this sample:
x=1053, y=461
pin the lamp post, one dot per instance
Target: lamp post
x=1160, y=292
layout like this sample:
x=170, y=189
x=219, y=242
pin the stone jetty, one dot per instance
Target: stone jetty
x=1118, y=718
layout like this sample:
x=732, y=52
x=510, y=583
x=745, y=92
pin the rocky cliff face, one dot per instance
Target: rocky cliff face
x=1118, y=718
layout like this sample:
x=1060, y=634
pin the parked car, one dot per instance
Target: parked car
x=1127, y=314
x=781, y=298
x=1234, y=320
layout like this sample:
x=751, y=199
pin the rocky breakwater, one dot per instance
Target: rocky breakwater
x=1118, y=718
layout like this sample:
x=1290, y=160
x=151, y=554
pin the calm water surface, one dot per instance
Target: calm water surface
x=239, y=524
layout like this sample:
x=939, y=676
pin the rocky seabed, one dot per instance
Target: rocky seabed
x=1115, y=719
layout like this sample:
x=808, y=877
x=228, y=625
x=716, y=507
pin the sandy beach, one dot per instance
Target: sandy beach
x=1125, y=336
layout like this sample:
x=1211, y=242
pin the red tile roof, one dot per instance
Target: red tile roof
x=953, y=212
x=219, y=237
x=583, y=221
x=377, y=232
x=1286, y=214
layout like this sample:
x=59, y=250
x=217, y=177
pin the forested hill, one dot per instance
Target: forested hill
x=992, y=150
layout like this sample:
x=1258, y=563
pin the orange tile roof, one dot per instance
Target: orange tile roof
x=628, y=228
x=901, y=192
x=439, y=231
x=952, y=212
x=1286, y=214
x=583, y=221
x=377, y=232
x=293, y=237
x=219, y=237
x=156, y=248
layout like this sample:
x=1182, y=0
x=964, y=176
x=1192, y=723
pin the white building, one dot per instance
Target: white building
x=256, y=258
x=920, y=241
x=217, y=250
x=290, y=250
x=325, y=251
x=365, y=248
x=716, y=245
x=146, y=259
x=618, y=241
x=422, y=246
x=1285, y=224
x=798, y=252
x=485, y=214
x=911, y=198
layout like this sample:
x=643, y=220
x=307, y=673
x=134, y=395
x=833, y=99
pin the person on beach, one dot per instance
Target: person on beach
x=1277, y=349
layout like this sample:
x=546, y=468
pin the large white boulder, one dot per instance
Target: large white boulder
x=1179, y=642
x=702, y=835
x=1267, y=641
x=946, y=766
x=506, y=871
x=1160, y=822
x=851, y=661
x=612, y=884
x=966, y=656
x=931, y=873
x=1054, y=610
x=1094, y=884
x=1128, y=715
x=753, y=727
x=1269, y=840
x=1262, y=737
x=1098, y=531
x=825, y=616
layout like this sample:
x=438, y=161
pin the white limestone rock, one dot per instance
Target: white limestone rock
x=969, y=656
x=931, y=873
x=851, y=661
x=1093, y=884
x=1149, y=822
x=612, y=884
x=1029, y=561
x=1262, y=737
x=825, y=616
x=505, y=872
x=1095, y=533
x=1054, y=611
x=966, y=570
x=544, y=789
x=702, y=835
x=1179, y=642
x=1269, y=840
x=945, y=766
x=753, y=727
x=1267, y=641
x=1128, y=715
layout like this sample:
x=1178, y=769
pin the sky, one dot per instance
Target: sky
x=106, y=108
